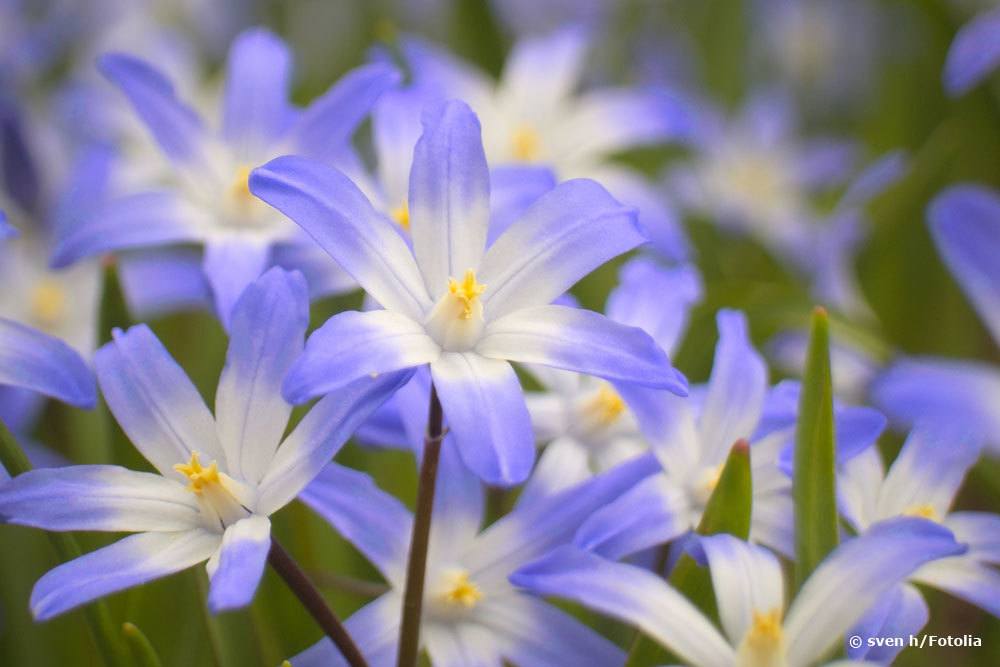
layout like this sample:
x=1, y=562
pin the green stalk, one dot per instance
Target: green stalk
x=142, y=651
x=814, y=477
x=98, y=616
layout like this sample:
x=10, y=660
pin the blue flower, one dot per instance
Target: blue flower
x=451, y=302
x=974, y=53
x=965, y=223
x=209, y=201
x=472, y=615
x=758, y=628
x=219, y=477
x=534, y=115
x=923, y=481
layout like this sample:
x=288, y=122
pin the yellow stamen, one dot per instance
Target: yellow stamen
x=463, y=592
x=764, y=643
x=401, y=214
x=606, y=407
x=240, y=187
x=48, y=302
x=198, y=476
x=466, y=291
x=924, y=511
x=712, y=478
x=525, y=143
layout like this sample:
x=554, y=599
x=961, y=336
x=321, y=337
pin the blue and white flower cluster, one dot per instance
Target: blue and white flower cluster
x=403, y=260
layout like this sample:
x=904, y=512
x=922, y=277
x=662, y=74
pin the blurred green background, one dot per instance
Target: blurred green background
x=918, y=308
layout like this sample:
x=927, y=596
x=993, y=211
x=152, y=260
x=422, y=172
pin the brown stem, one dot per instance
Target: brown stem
x=309, y=596
x=413, y=596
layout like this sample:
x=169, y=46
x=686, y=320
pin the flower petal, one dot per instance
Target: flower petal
x=135, y=221
x=374, y=628
x=736, y=390
x=353, y=345
x=33, y=360
x=329, y=122
x=900, y=613
x=241, y=561
x=567, y=233
x=854, y=576
x=976, y=583
x=541, y=72
x=974, y=53
x=267, y=332
x=154, y=401
x=965, y=221
x=98, y=497
x=230, y=266
x=325, y=203
x=633, y=595
x=131, y=561
x=256, y=110
x=449, y=195
x=583, y=341
x=562, y=464
x=320, y=434
x=485, y=411
x=161, y=281
x=175, y=126
x=942, y=391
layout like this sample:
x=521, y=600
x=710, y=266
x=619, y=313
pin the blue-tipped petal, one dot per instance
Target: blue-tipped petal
x=240, y=566
x=541, y=72
x=131, y=561
x=582, y=341
x=334, y=212
x=331, y=120
x=230, y=266
x=449, y=195
x=965, y=221
x=974, y=53
x=255, y=111
x=98, y=497
x=901, y=613
x=267, y=334
x=354, y=345
x=155, y=402
x=33, y=360
x=175, y=126
x=567, y=233
x=161, y=281
x=513, y=189
x=376, y=523
x=485, y=411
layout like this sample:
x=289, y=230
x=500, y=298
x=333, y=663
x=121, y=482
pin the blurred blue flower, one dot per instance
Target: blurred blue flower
x=974, y=54
x=758, y=627
x=923, y=481
x=965, y=223
x=451, y=302
x=219, y=477
x=536, y=115
x=208, y=201
x=472, y=615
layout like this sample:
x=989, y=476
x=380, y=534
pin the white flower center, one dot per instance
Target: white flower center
x=525, y=143
x=764, y=643
x=218, y=494
x=456, y=321
x=454, y=595
x=48, y=304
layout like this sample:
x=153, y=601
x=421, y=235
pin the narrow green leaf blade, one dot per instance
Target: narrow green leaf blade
x=143, y=652
x=814, y=478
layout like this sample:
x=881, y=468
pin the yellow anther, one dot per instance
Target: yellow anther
x=525, y=143
x=764, y=643
x=198, y=476
x=240, y=187
x=924, y=511
x=712, y=478
x=48, y=302
x=606, y=407
x=463, y=592
x=401, y=214
x=466, y=291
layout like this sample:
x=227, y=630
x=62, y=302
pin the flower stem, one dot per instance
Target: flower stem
x=413, y=597
x=309, y=596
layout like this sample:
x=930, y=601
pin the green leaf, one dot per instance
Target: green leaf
x=114, y=312
x=814, y=478
x=143, y=652
x=98, y=616
x=728, y=511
